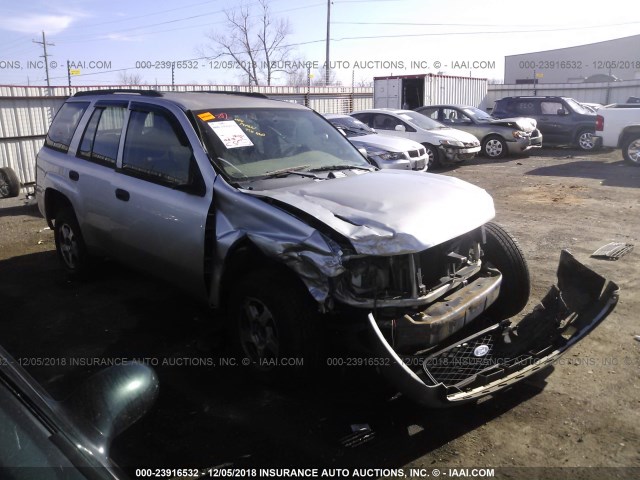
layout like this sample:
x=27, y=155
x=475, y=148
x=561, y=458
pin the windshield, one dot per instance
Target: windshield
x=250, y=144
x=419, y=120
x=352, y=126
x=578, y=107
x=477, y=113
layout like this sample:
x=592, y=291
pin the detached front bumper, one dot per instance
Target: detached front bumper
x=503, y=354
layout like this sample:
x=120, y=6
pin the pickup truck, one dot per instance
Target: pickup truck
x=618, y=126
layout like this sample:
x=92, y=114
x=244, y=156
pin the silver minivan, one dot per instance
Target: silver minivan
x=264, y=211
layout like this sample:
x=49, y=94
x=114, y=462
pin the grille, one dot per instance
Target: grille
x=414, y=153
x=459, y=365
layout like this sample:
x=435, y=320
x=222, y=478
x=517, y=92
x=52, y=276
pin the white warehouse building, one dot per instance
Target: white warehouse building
x=611, y=60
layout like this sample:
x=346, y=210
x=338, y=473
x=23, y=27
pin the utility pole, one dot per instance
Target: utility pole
x=46, y=57
x=327, y=63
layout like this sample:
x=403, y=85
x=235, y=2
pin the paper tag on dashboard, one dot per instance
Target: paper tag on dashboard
x=230, y=133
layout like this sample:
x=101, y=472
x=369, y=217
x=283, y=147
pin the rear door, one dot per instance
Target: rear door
x=163, y=202
x=94, y=170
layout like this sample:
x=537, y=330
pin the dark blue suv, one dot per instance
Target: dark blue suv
x=562, y=120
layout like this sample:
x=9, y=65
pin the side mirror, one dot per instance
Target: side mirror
x=112, y=400
x=561, y=112
x=363, y=152
x=400, y=128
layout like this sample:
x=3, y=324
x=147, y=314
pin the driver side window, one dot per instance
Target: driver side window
x=155, y=150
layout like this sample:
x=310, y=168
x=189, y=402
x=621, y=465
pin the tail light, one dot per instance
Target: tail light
x=599, y=123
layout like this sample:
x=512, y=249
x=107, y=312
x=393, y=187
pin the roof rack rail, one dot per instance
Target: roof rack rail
x=144, y=93
x=231, y=92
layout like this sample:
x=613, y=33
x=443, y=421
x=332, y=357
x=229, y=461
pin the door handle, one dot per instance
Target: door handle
x=122, y=195
x=73, y=175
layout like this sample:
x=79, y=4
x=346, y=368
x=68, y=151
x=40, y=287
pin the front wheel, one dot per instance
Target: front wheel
x=631, y=151
x=274, y=325
x=503, y=252
x=433, y=158
x=586, y=141
x=494, y=147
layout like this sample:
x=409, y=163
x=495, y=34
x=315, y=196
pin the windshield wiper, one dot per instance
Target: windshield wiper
x=340, y=167
x=290, y=171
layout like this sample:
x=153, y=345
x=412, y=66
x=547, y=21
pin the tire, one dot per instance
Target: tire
x=585, y=140
x=433, y=157
x=9, y=183
x=503, y=252
x=631, y=150
x=70, y=245
x=274, y=318
x=494, y=147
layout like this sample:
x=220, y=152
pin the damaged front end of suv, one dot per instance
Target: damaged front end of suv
x=414, y=257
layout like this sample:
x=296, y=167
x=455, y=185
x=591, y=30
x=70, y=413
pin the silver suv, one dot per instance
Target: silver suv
x=264, y=210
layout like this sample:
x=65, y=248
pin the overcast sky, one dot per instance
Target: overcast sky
x=103, y=38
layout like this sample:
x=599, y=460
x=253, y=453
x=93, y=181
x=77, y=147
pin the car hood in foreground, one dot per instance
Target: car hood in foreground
x=391, y=144
x=390, y=212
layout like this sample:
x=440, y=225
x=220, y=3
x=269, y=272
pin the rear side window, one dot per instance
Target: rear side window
x=101, y=138
x=64, y=125
x=525, y=107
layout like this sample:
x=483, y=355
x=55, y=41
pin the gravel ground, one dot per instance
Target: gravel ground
x=586, y=413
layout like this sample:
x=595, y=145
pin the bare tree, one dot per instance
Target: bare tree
x=254, y=43
x=320, y=80
x=126, y=78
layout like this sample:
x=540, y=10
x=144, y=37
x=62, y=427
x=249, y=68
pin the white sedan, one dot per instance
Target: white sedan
x=444, y=145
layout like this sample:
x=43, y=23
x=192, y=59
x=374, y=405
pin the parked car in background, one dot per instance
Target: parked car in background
x=618, y=126
x=382, y=150
x=445, y=145
x=562, y=120
x=42, y=438
x=498, y=138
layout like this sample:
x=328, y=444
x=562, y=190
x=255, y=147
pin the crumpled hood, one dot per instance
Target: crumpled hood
x=454, y=134
x=383, y=142
x=391, y=212
x=524, y=124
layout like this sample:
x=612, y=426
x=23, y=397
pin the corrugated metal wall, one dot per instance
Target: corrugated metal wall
x=26, y=112
x=443, y=89
x=604, y=93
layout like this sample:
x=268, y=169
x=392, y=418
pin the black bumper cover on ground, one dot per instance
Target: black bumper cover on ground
x=503, y=354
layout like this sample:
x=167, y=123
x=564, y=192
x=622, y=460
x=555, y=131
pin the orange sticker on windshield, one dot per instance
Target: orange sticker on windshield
x=206, y=116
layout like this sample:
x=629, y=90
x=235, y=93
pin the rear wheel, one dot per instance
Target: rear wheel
x=503, y=252
x=586, y=141
x=631, y=150
x=494, y=147
x=9, y=183
x=274, y=325
x=70, y=245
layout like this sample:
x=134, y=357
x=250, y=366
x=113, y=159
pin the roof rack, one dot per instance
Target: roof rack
x=231, y=92
x=144, y=93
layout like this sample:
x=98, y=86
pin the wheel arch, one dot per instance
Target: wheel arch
x=627, y=132
x=241, y=259
x=54, y=201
